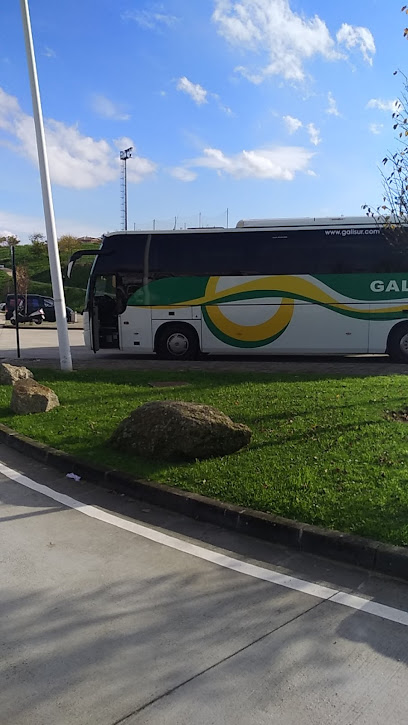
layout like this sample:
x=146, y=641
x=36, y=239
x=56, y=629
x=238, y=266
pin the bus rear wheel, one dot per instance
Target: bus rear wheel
x=397, y=346
x=177, y=342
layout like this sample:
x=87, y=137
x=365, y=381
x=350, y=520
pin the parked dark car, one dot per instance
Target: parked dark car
x=35, y=302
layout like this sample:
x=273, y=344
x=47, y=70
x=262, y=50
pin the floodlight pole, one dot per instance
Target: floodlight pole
x=124, y=156
x=53, y=255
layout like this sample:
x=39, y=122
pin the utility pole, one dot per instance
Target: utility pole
x=124, y=156
x=55, y=265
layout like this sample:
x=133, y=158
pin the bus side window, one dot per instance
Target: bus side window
x=105, y=286
x=126, y=285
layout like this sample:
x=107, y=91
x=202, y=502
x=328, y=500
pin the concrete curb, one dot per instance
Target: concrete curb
x=356, y=550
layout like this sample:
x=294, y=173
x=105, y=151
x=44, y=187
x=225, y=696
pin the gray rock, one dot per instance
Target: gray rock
x=30, y=397
x=172, y=430
x=9, y=374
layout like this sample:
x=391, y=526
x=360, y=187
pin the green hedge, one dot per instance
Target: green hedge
x=74, y=296
x=5, y=285
x=79, y=277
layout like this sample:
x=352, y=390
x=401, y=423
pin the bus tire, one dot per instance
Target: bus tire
x=397, y=344
x=177, y=341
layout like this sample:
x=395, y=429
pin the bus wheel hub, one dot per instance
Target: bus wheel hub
x=177, y=344
x=404, y=344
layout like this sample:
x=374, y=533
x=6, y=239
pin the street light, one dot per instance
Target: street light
x=124, y=156
x=55, y=266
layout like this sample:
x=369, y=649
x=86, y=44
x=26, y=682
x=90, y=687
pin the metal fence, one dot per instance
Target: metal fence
x=194, y=221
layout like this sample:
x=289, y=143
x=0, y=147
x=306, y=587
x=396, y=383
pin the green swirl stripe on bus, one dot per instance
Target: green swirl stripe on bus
x=202, y=292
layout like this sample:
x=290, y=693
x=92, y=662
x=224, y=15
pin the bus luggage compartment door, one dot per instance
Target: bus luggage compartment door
x=173, y=313
x=135, y=330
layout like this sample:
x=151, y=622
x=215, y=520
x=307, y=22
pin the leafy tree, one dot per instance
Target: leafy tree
x=9, y=240
x=5, y=285
x=23, y=281
x=68, y=243
x=393, y=210
x=38, y=241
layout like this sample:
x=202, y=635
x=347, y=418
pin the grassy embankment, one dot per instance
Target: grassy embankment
x=324, y=451
x=36, y=261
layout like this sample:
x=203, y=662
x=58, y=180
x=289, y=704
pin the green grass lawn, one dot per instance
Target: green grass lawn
x=324, y=451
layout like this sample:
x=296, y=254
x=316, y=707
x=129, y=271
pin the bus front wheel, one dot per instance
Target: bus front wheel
x=397, y=346
x=177, y=342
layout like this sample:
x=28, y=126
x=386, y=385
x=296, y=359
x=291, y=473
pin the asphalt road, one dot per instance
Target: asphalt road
x=104, y=621
x=40, y=346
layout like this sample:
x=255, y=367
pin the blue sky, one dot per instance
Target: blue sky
x=267, y=108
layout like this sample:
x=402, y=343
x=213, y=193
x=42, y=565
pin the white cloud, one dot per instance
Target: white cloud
x=278, y=163
x=194, y=90
x=314, y=134
x=9, y=108
x=292, y=124
x=227, y=110
x=183, y=174
x=49, y=52
x=200, y=95
x=352, y=36
x=382, y=105
x=122, y=143
x=154, y=19
x=284, y=38
x=138, y=168
x=6, y=233
x=105, y=108
x=255, y=78
x=332, y=109
x=221, y=106
x=76, y=161
x=376, y=128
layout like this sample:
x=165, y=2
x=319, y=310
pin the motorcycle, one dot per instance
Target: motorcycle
x=37, y=317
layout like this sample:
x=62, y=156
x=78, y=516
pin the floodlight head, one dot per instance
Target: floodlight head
x=126, y=154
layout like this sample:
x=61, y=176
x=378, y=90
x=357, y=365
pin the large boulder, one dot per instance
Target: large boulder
x=30, y=397
x=172, y=430
x=9, y=374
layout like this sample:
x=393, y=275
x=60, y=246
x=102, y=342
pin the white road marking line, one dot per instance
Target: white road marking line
x=241, y=567
x=365, y=605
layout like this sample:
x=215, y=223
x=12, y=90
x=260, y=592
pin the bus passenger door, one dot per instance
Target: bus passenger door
x=94, y=324
x=103, y=315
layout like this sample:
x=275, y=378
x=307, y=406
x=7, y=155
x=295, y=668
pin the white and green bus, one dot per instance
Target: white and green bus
x=274, y=286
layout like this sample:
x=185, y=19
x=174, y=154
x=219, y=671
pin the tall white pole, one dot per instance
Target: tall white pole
x=55, y=266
